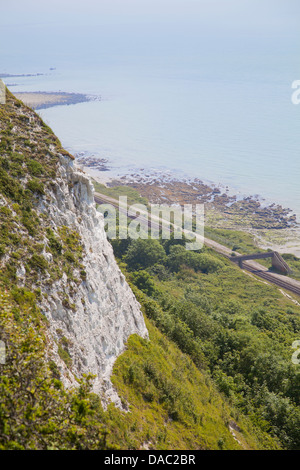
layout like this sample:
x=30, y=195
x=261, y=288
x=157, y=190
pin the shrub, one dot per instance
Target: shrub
x=204, y=262
x=36, y=186
x=54, y=243
x=35, y=168
x=143, y=281
x=39, y=262
x=144, y=253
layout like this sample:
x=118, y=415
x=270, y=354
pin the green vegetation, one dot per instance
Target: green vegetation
x=235, y=328
x=133, y=197
x=236, y=240
x=27, y=168
x=244, y=243
x=169, y=403
x=35, y=411
x=144, y=253
x=294, y=264
x=179, y=406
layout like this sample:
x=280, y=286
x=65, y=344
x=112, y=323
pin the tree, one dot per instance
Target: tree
x=204, y=262
x=142, y=254
x=143, y=281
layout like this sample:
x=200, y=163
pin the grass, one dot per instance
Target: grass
x=172, y=405
x=133, y=196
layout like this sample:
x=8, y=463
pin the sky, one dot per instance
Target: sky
x=62, y=30
x=271, y=16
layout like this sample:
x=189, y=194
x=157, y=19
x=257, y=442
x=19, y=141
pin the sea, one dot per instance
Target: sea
x=198, y=104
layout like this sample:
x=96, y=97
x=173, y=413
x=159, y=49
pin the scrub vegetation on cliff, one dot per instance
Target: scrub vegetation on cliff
x=235, y=328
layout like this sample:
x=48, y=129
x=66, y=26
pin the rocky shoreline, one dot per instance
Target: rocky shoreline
x=92, y=162
x=271, y=225
x=246, y=212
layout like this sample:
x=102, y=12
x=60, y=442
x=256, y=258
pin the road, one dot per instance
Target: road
x=287, y=283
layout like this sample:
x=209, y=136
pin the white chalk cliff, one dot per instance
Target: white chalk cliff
x=105, y=312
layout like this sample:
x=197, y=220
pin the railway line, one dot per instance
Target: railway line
x=255, y=268
x=283, y=282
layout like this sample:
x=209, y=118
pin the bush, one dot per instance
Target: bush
x=39, y=262
x=35, y=168
x=54, y=243
x=36, y=186
x=203, y=262
x=10, y=186
x=143, y=281
x=142, y=254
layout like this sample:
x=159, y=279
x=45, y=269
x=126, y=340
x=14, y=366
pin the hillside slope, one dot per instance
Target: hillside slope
x=67, y=311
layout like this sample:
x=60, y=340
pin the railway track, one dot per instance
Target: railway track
x=288, y=284
x=284, y=284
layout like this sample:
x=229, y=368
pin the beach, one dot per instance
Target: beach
x=42, y=100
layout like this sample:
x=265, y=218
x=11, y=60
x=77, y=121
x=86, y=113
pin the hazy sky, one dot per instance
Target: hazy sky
x=235, y=14
x=64, y=28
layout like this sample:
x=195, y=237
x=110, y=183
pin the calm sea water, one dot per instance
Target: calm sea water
x=222, y=114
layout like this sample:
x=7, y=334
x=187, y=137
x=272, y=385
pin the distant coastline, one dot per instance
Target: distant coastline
x=10, y=75
x=42, y=100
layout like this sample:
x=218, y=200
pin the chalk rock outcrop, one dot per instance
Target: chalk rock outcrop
x=104, y=310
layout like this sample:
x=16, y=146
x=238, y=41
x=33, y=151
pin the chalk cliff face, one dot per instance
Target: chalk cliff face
x=49, y=216
x=104, y=310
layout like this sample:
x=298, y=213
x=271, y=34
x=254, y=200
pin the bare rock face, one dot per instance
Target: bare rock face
x=104, y=311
